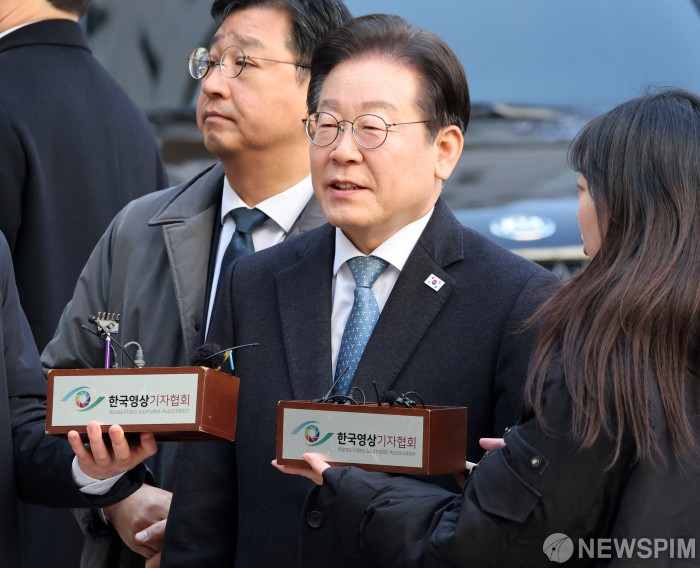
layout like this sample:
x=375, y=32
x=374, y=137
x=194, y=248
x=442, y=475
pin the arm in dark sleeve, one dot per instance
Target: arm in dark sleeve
x=42, y=463
x=12, y=180
x=539, y=484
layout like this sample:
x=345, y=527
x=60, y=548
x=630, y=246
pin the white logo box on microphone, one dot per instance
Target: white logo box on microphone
x=173, y=402
x=411, y=440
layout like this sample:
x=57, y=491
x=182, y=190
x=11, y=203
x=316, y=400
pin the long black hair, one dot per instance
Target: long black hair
x=626, y=325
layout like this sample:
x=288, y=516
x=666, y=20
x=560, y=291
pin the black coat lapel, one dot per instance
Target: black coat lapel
x=304, y=293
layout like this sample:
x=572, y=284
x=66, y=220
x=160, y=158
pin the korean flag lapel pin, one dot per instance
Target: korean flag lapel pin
x=434, y=282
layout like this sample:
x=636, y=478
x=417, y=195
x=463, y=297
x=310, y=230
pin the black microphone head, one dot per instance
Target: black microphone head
x=405, y=401
x=208, y=355
x=390, y=397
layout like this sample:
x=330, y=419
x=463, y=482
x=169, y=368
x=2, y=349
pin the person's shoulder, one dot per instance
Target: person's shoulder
x=472, y=255
x=506, y=264
x=288, y=252
x=154, y=203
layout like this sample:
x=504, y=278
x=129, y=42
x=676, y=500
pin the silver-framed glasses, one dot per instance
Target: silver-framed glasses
x=232, y=62
x=369, y=130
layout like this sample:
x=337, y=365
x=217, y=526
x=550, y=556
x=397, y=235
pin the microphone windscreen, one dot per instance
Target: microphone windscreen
x=207, y=355
x=390, y=397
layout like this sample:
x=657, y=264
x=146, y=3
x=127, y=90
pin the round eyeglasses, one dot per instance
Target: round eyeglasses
x=369, y=130
x=232, y=61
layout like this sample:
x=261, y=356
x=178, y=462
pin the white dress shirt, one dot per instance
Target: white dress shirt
x=395, y=251
x=282, y=209
x=7, y=32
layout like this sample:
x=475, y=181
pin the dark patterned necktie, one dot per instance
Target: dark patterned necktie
x=241, y=244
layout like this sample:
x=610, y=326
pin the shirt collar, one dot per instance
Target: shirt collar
x=283, y=208
x=395, y=250
x=7, y=32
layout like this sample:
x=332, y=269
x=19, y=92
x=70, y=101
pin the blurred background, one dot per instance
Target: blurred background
x=538, y=70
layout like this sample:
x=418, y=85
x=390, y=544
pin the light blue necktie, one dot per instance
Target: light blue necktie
x=363, y=317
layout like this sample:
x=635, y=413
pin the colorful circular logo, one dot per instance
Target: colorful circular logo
x=82, y=399
x=311, y=433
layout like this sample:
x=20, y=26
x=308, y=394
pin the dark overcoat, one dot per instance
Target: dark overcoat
x=74, y=149
x=33, y=466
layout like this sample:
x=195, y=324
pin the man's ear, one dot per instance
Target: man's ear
x=448, y=144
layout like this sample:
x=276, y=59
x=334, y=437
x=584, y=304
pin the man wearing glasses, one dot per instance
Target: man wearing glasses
x=394, y=292
x=158, y=264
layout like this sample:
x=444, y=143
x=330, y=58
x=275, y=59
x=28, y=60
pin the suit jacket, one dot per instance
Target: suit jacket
x=461, y=345
x=74, y=149
x=151, y=267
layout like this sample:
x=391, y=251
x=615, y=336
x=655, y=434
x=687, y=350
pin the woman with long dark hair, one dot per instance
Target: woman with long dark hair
x=604, y=466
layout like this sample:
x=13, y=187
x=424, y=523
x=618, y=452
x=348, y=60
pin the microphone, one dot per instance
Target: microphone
x=376, y=391
x=208, y=355
x=108, y=324
x=405, y=401
x=392, y=399
x=389, y=397
x=212, y=356
x=328, y=397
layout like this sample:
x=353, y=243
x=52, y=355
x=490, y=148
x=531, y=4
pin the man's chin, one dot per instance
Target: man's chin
x=218, y=146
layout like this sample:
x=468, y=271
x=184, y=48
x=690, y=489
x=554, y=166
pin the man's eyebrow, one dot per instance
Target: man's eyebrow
x=235, y=39
x=334, y=104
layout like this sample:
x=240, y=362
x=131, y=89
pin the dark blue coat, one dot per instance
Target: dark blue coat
x=74, y=149
x=34, y=467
